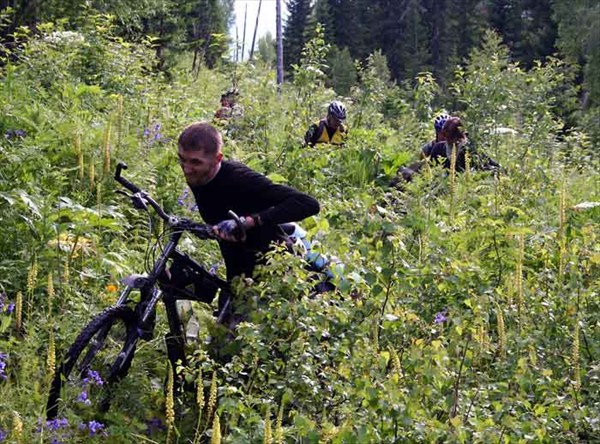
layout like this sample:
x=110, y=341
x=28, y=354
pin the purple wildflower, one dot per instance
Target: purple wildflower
x=96, y=428
x=181, y=200
x=10, y=308
x=14, y=134
x=3, y=358
x=441, y=317
x=93, y=378
x=83, y=398
x=154, y=425
x=57, y=424
x=3, y=435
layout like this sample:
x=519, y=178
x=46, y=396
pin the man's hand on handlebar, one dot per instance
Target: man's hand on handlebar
x=234, y=230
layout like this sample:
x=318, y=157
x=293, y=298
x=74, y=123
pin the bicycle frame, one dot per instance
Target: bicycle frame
x=167, y=281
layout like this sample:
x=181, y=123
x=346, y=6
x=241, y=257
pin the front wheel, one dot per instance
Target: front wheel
x=100, y=356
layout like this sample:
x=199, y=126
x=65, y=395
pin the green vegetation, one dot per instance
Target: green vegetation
x=470, y=311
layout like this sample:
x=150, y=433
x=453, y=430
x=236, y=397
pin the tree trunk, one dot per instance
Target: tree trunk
x=255, y=29
x=279, y=44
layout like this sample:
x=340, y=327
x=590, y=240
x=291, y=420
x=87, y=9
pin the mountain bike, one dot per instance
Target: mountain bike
x=101, y=355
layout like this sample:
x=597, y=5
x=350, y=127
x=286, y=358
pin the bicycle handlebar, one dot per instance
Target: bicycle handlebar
x=131, y=187
x=203, y=231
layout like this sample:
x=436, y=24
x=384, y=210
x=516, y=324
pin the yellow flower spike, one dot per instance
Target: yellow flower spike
x=50, y=291
x=216, y=431
x=17, y=428
x=170, y=403
x=268, y=439
x=32, y=277
x=501, y=332
x=92, y=175
x=212, y=398
x=19, y=311
x=575, y=357
x=200, y=403
x=51, y=358
x=66, y=272
x=99, y=195
x=279, y=426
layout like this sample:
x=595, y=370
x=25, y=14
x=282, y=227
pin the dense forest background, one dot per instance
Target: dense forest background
x=414, y=36
x=466, y=307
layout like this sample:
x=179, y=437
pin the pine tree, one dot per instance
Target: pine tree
x=460, y=32
x=578, y=41
x=343, y=71
x=403, y=36
x=352, y=24
x=295, y=31
x=323, y=15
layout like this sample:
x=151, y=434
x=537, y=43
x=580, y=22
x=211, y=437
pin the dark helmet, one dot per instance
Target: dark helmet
x=438, y=122
x=233, y=92
x=337, y=110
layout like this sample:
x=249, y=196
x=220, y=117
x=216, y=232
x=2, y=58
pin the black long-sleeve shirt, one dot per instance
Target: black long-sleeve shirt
x=248, y=193
x=441, y=153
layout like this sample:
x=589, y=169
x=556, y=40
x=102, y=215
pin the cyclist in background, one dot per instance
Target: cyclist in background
x=438, y=124
x=454, y=137
x=406, y=173
x=229, y=106
x=330, y=129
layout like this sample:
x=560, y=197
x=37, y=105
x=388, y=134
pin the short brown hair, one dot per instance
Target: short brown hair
x=200, y=136
x=453, y=130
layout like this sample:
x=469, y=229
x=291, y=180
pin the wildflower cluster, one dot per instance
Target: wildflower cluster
x=187, y=200
x=5, y=306
x=58, y=430
x=94, y=428
x=54, y=425
x=441, y=317
x=65, y=37
x=3, y=359
x=93, y=378
x=152, y=135
x=154, y=425
x=13, y=134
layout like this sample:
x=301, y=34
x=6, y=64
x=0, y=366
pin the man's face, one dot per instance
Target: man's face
x=333, y=122
x=198, y=166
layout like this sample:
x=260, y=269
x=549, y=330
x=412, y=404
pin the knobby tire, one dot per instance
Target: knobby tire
x=98, y=348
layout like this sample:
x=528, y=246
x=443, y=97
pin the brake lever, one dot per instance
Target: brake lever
x=138, y=202
x=240, y=225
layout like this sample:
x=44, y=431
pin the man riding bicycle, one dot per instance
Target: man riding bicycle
x=331, y=129
x=438, y=124
x=220, y=186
